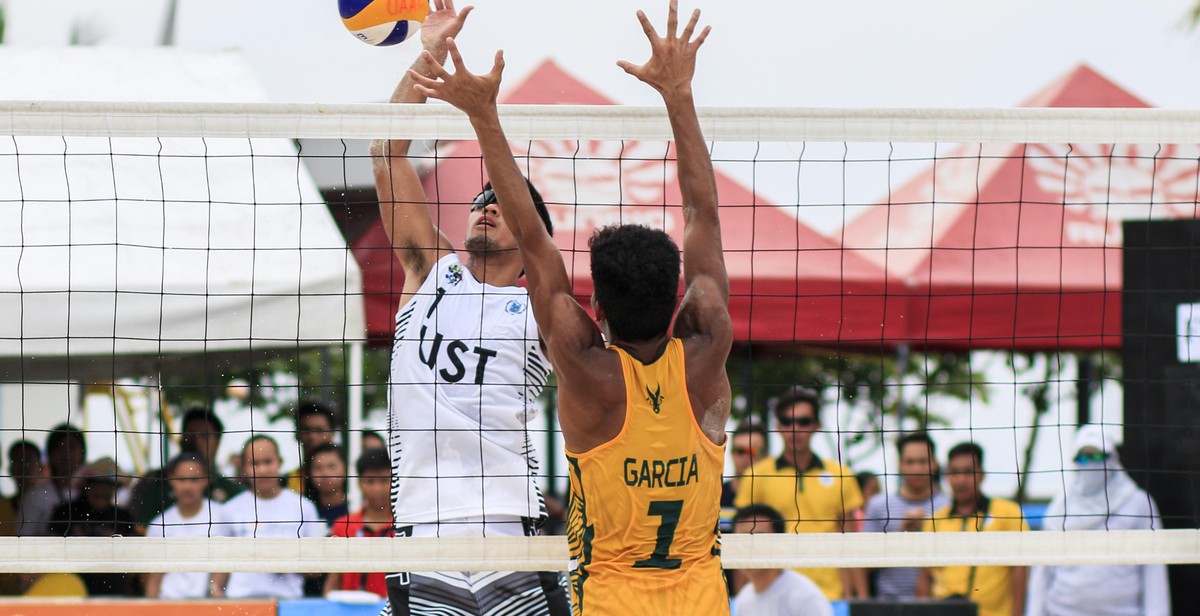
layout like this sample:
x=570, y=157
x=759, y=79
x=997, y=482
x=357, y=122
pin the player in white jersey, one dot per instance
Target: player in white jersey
x=467, y=366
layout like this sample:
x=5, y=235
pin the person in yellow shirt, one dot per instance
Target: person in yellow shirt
x=999, y=591
x=813, y=495
x=643, y=406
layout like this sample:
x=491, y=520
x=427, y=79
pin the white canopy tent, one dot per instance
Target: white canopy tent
x=136, y=256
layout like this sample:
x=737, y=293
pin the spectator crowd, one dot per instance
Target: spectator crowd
x=59, y=493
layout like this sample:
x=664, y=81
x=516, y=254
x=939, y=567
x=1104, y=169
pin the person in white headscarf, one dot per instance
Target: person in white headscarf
x=1100, y=496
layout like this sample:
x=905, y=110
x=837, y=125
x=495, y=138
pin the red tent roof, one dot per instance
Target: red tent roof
x=789, y=283
x=1018, y=246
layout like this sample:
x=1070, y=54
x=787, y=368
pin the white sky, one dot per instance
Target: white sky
x=865, y=53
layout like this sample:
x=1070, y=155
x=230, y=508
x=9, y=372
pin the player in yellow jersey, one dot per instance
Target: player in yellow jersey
x=643, y=414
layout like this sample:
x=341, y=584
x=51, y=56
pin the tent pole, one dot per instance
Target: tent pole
x=354, y=420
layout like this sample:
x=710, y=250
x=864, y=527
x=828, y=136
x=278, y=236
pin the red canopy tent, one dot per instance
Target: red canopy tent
x=789, y=283
x=1019, y=246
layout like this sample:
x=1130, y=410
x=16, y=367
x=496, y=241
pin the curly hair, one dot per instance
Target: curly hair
x=635, y=270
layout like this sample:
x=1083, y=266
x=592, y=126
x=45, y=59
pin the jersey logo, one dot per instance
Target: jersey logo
x=515, y=307
x=655, y=397
x=454, y=275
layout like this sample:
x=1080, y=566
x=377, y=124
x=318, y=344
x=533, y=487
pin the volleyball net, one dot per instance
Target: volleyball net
x=959, y=272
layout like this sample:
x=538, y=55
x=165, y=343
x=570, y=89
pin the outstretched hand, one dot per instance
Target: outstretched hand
x=672, y=57
x=473, y=94
x=442, y=23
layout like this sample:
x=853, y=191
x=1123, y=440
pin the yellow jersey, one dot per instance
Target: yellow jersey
x=988, y=586
x=644, y=507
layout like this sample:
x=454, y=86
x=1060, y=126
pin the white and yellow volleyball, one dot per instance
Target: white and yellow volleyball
x=383, y=22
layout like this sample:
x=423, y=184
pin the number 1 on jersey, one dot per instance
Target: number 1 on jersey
x=669, y=511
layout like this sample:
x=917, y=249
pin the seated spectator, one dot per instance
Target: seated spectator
x=192, y=515
x=94, y=513
x=747, y=446
x=200, y=434
x=314, y=427
x=27, y=471
x=66, y=451
x=266, y=510
x=774, y=592
x=374, y=469
x=325, y=482
x=906, y=509
x=1100, y=496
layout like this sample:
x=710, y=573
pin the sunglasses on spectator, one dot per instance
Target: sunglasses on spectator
x=1091, y=458
x=744, y=451
x=483, y=200
x=799, y=422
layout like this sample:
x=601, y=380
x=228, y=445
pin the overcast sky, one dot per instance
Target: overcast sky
x=865, y=53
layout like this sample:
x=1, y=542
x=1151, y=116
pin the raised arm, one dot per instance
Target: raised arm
x=704, y=312
x=403, y=205
x=565, y=326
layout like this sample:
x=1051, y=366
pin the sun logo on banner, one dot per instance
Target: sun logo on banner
x=591, y=184
x=1103, y=185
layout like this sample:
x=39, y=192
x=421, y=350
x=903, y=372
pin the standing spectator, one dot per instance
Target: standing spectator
x=314, y=428
x=999, y=591
x=266, y=510
x=27, y=471
x=747, y=446
x=906, y=509
x=94, y=513
x=200, y=434
x=1101, y=496
x=813, y=495
x=66, y=451
x=372, y=440
x=774, y=592
x=374, y=469
x=325, y=482
x=192, y=515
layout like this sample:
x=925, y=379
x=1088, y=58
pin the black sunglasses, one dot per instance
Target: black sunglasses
x=802, y=422
x=483, y=200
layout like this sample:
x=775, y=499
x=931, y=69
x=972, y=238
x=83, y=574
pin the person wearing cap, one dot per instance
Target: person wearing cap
x=1101, y=496
x=94, y=513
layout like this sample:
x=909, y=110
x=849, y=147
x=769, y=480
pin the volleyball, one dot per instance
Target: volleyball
x=383, y=22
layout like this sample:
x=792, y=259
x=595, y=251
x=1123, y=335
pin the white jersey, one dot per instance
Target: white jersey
x=467, y=368
x=210, y=521
x=286, y=515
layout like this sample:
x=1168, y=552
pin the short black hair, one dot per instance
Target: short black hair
x=373, y=460
x=635, y=270
x=187, y=456
x=539, y=204
x=758, y=510
x=751, y=427
x=371, y=433
x=23, y=445
x=799, y=395
x=920, y=436
x=60, y=434
x=316, y=407
x=967, y=448
x=199, y=412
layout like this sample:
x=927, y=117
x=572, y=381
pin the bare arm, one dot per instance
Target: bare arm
x=565, y=327
x=924, y=582
x=705, y=308
x=1020, y=577
x=703, y=321
x=217, y=584
x=403, y=204
x=153, y=584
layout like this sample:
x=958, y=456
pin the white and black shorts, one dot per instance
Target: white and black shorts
x=477, y=593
